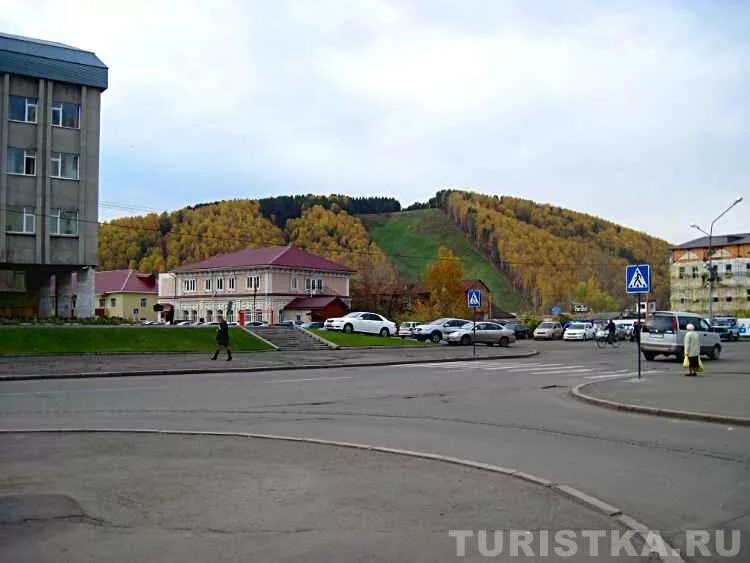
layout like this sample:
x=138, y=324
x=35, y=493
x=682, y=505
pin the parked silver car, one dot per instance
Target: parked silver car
x=486, y=333
x=664, y=333
x=438, y=329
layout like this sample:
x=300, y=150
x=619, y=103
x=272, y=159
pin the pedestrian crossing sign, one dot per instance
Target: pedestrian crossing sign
x=638, y=278
x=474, y=296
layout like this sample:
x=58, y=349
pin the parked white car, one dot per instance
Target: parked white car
x=579, y=331
x=486, y=333
x=438, y=329
x=548, y=330
x=370, y=323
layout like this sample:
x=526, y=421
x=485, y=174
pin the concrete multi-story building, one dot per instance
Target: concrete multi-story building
x=49, y=177
x=689, y=274
x=126, y=294
x=270, y=284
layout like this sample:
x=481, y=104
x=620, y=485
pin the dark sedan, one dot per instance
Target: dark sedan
x=520, y=330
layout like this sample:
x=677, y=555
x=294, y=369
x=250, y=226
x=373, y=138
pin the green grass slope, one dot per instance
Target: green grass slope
x=411, y=240
x=63, y=340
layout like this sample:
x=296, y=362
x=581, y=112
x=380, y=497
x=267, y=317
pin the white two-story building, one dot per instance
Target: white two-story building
x=270, y=284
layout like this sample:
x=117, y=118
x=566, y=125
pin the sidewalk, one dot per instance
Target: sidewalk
x=113, y=365
x=716, y=396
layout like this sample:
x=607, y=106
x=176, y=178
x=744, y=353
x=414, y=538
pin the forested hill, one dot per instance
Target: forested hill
x=532, y=254
x=556, y=255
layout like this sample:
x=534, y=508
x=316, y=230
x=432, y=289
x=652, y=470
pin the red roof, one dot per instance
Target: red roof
x=125, y=281
x=473, y=284
x=282, y=256
x=312, y=302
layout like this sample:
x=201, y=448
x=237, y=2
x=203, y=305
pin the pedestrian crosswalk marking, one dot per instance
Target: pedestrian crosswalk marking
x=537, y=368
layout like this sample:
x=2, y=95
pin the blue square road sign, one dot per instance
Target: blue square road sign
x=638, y=278
x=474, y=298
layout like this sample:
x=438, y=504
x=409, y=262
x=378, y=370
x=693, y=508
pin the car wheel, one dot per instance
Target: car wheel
x=348, y=328
x=715, y=352
x=436, y=337
x=465, y=340
x=504, y=341
x=649, y=356
x=384, y=332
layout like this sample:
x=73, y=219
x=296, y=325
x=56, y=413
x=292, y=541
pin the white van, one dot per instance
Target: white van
x=664, y=333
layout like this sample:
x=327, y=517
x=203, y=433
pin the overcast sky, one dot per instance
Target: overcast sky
x=638, y=112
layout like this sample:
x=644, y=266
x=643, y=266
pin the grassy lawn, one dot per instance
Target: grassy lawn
x=354, y=340
x=418, y=235
x=57, y=340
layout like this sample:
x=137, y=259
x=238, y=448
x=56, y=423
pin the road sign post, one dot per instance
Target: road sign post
x=474, y=301
x=638, y=281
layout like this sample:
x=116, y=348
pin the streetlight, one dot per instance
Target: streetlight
x=711, y=276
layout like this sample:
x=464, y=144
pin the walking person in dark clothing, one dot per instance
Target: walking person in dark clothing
x=222, y=339
x=611, y=332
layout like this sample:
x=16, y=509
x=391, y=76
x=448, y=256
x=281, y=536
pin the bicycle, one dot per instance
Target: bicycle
x=602, y=341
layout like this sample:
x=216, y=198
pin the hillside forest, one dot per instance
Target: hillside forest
x=549, y=255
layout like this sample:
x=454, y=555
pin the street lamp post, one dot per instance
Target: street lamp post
x=711, y=276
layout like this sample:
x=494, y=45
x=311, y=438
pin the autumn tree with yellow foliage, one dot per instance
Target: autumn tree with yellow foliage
x=442, y=279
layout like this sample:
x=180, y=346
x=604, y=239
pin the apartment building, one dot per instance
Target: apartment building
x=690, y=276
x=269, y=284
x=49, y=177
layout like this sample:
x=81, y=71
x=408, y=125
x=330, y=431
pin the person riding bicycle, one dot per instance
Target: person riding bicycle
x=611, y=332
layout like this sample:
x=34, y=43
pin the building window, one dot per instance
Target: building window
x=681, y=273
x=295, y=282
x=22, y=109
x=313, y=284
x=144, y=302
x=21, y=161
x=252, y=282
x=219, y=284
x=729, y=299
x=63, y=223
x=12, y=280
x=682, y=300
x=748, y=294
x=102, y=302
x=695, y=272
x=135, y=311
x=209, y=316
x=207, y=284
x=21, y=220
x=715, y=299
x=64, y=165
x=230, y=316
x=65, y=114
x=185, y=315
x=188, y=285
x=113, y=302
x=230, y=283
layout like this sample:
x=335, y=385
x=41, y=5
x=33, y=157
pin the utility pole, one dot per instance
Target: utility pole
x=711, y=274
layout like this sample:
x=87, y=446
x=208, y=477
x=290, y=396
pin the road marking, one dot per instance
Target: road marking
x=63, y=391
x=307, y=379
x=622, y=374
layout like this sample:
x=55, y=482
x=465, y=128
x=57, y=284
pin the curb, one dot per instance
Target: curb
x=660, y=549
x=577, y=393
x=196, y=371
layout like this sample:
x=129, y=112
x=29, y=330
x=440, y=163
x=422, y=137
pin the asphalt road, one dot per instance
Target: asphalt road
x=672, y=475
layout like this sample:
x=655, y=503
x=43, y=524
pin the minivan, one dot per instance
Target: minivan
x=664, y=333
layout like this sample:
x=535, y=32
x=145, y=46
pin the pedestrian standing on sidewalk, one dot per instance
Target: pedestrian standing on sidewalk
x=692, y=349
x=222, y=339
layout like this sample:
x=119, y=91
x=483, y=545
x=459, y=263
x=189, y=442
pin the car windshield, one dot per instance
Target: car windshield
x=353, y=314
x=440, y=321
x=546, y=325
x=577, y=326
